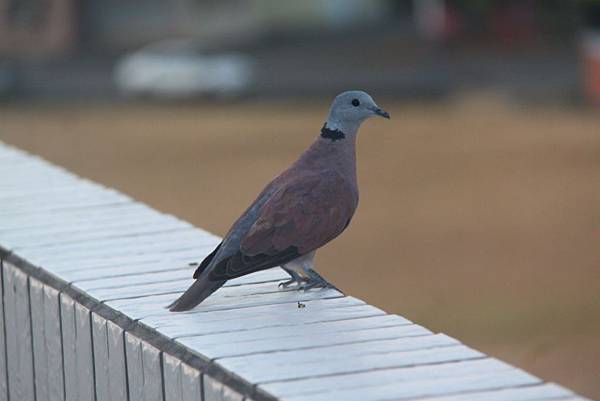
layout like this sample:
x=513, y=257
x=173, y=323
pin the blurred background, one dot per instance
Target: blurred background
x=480, y=204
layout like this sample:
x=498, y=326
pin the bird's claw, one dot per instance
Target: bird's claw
x=307, y=283
x=286, y=284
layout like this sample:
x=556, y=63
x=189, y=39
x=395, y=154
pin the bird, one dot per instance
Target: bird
x=299, y=211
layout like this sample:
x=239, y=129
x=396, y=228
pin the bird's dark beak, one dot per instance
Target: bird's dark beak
x=382, y=113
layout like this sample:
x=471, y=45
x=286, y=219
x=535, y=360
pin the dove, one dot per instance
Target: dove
x=303, y=208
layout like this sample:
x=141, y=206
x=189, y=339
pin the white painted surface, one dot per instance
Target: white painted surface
x=193, y=325
x=299, y=341
x=428, y=387
x=272, y=360
x=383, y=376
x=530, y=393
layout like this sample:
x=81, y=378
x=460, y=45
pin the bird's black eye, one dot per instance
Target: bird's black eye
x=355, y=102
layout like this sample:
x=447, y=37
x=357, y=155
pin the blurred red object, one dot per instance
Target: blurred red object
x=514, y=23
x=591, y=66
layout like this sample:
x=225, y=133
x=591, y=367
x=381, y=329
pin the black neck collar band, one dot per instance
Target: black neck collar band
x=332, y=134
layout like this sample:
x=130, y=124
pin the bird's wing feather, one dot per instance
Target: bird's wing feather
x=301, y=216
x=231, y=242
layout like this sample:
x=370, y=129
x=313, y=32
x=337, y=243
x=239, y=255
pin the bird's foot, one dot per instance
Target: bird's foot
x=315, y=280
x=309, y=285
x=286, y=284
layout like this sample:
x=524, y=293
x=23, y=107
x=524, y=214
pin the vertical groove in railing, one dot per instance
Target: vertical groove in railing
x=172, y=378
x=67, y=313
x=181, y=381
x=117, y=367
x=47, y=341
x=53, y=341
x=19, y=353
x=18, y=335
x=40, y=352
x=109, y=360
x=144, y=371
x=152, y=371
x=3, y=370
x=100, y=349
x=161, y=367
x=85, y=357
x=62, y=347
x=77, y=351
x=133, y=358
x=29, y=310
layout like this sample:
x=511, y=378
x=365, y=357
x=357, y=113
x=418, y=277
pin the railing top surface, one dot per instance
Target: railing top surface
x=120, y=253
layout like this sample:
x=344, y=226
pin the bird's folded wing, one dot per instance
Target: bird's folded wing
x=300, y=217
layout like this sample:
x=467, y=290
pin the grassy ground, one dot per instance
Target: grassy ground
x=478, y=218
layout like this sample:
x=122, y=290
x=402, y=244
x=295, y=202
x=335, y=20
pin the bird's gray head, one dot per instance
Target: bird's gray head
x=350, y=109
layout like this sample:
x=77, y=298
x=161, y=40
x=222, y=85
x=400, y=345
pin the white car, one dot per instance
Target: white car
x=178, y=70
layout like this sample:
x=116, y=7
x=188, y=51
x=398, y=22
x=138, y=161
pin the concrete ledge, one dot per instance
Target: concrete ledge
x=87, y=271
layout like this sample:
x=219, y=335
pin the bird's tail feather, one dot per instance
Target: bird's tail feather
x=197, y=293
